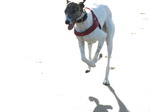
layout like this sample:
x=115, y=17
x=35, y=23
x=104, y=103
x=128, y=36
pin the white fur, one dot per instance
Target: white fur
x=106, y=33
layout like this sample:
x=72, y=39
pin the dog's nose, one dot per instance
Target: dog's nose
x=67, y=21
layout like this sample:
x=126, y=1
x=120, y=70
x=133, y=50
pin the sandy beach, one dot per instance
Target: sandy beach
x=41, y=69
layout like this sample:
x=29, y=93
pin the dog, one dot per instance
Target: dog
x=91, y=25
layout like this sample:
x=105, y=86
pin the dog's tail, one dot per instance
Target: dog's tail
x=94, y=99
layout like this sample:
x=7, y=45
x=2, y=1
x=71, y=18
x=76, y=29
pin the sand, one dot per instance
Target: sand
x=41, y=69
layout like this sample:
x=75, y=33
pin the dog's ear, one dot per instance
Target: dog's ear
x=81, y=4
x=68, y=1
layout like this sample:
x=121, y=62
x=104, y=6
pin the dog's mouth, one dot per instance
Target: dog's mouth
x=70, y=26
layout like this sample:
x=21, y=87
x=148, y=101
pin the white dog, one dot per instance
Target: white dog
x=91, y=25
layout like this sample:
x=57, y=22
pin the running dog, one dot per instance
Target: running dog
x=91, y=25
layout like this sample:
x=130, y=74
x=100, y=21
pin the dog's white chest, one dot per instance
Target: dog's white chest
x=92, y=37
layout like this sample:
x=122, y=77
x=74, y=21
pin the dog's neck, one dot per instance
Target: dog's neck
x=82, y=26
x=82, y=18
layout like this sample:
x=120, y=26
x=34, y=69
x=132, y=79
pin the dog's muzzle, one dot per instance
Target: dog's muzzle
x=70, y=24
x=67, y=21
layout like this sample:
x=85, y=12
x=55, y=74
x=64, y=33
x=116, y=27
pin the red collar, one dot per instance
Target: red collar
x=92, y=28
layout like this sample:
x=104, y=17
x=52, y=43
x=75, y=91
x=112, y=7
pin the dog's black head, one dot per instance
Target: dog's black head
x=73, y=11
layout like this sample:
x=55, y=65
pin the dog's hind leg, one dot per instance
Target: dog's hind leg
x=110, y=29
x=90, y=52
x=97, y=53
x=99, y=47
x=109, y=50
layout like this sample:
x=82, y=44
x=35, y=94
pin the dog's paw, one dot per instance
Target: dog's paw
x=100, y=56
x=106, y=83
x=87, y=71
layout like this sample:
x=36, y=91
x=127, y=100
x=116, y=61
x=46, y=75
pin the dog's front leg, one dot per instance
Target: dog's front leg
x=83, y=57
x=90, y=52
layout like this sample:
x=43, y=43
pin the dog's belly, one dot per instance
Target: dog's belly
x=89, y=39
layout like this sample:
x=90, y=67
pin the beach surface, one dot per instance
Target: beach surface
x=41, y=69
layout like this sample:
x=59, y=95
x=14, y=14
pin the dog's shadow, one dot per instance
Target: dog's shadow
x=99, y=107
x=122, y=107
x=105, y=108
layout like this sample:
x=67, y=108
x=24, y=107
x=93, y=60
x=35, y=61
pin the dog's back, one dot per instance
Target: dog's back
x=102, y=12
